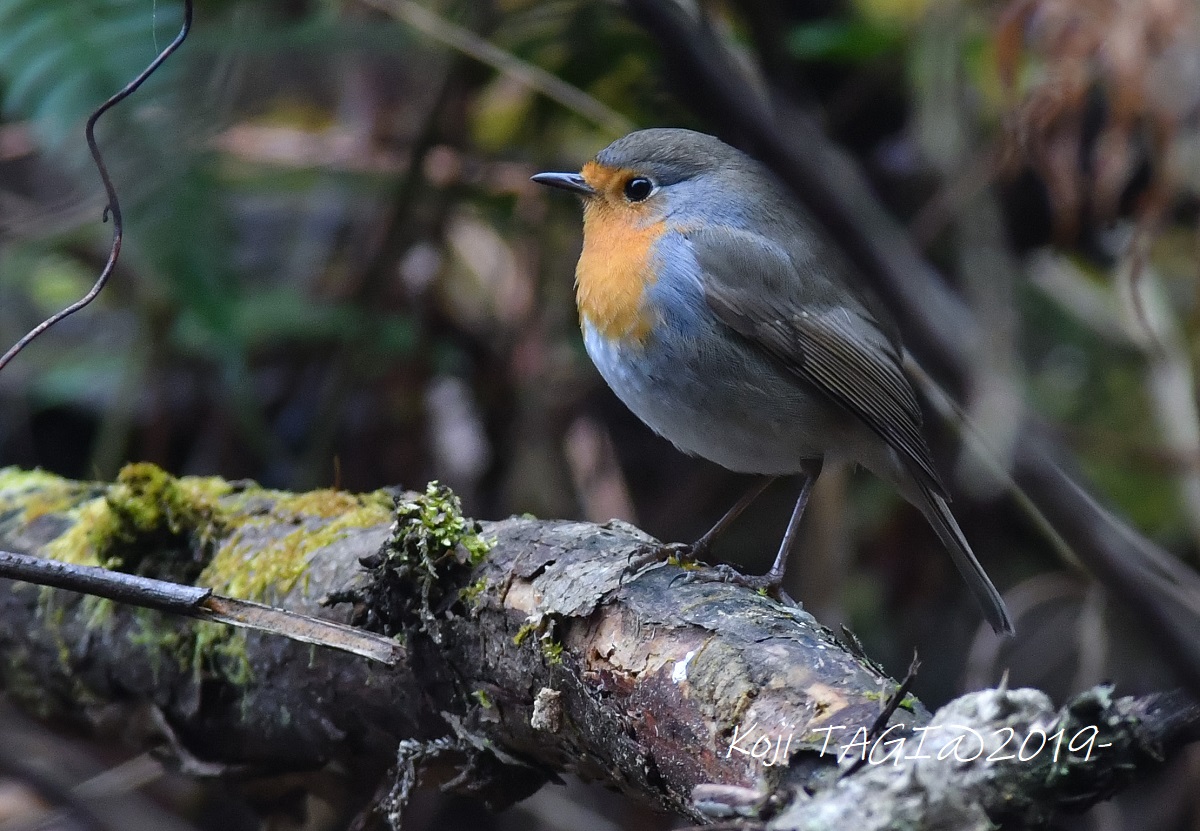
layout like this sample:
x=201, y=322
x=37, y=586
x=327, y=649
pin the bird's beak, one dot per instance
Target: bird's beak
x=566, y=181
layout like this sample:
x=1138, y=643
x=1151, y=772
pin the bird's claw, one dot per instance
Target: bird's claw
x=685, y=555
x=766, y=584
x=647, y=556
x=682, y=552
x=720, y=573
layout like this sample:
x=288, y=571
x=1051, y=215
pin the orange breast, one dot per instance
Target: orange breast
x=614, y=270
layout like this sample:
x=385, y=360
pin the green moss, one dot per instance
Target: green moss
x=145, y=498
x=258, y=571
x=14, y=478
x=145, y=513
x=220, y=650
x=253, y=567
x=524, y=632
x=150, y=522
x=98, y=612
x=144, y=502
x=552, y=650
x=52, y=612
x=909, y=702
x=472, y=592
x=204, y=649
x=328, y=504
x=433, y=525
x=485, y=700
x=155, y=639
x=424, y=565
x=33, y=494
x=683, y=563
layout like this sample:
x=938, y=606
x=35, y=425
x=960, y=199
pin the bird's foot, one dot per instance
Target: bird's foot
x=687, y=556
x=768, y=585
x=681, y=553
x=672, y=553
x=725, y=573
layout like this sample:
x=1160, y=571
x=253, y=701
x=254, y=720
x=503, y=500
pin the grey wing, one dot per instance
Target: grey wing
x=753, y=287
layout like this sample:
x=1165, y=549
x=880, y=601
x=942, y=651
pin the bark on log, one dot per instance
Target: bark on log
x=554, y=652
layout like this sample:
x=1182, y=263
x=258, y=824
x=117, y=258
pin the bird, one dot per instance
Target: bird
x=719, y=311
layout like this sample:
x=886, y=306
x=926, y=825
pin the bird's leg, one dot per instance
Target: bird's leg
x=774, y=577
x=701, y=546
x=690, y=553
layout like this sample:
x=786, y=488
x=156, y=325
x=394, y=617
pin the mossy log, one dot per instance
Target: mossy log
x=532, y=648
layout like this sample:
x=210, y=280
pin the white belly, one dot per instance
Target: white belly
x=723, y=403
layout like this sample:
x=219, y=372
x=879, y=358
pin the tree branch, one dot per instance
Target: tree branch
x=533, y=648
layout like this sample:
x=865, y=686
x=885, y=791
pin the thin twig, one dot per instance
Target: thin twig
x=101, y=582
x=113, y=208
x=198, y=602
x=534, y=77
x=889, y=710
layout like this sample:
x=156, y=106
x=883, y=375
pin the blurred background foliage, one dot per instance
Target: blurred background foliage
x=336, y=273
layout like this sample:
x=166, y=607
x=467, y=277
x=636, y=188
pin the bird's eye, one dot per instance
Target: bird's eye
x=638, y=188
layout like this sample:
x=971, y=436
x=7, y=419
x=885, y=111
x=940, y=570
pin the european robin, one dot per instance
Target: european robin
x=720, y=313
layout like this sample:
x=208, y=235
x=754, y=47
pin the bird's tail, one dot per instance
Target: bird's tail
x=937, y=512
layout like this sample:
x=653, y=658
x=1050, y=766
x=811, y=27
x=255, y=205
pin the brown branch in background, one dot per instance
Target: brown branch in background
x=113, y=207
x=70, y=804
x=937, y=325
x=532, y=76
x=80, y=779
